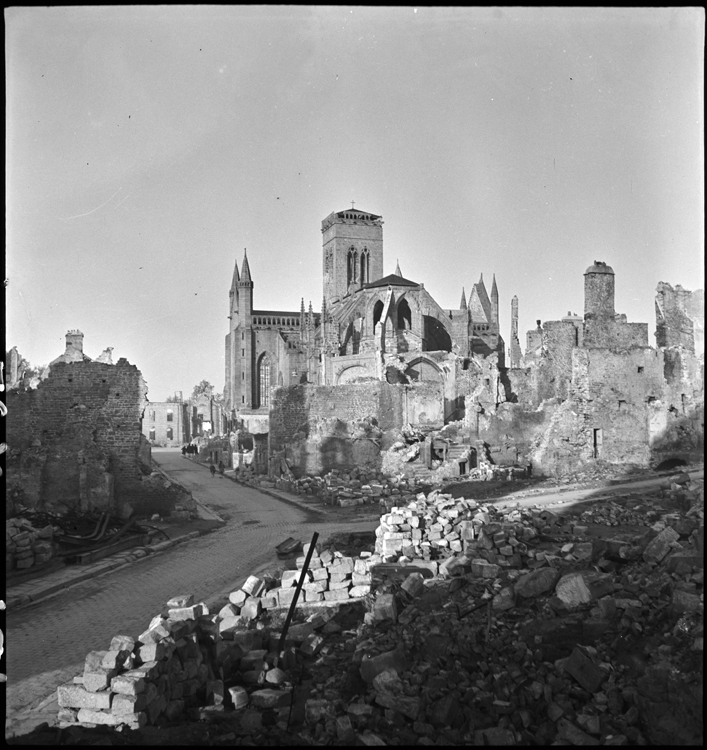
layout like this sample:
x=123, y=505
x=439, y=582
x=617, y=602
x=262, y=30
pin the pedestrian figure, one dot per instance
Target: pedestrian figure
x=184, y=450
x=212, y=469
x=221, y=467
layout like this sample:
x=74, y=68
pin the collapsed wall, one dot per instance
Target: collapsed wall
x=76, y=442
x=319, y=428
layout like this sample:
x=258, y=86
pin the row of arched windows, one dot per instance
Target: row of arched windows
x=261, y=321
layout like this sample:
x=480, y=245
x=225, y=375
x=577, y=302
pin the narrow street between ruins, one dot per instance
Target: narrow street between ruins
x=48, y=641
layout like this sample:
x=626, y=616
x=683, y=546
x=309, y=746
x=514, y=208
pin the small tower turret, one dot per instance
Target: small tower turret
x=599, y=291
x=494, y=302
x=245, y=345
x=462, y=304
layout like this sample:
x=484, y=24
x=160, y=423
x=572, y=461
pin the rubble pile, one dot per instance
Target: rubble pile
x=561, y=637
x=196, y=662
x=25, y=545
x=345, y=488
x=437, y=526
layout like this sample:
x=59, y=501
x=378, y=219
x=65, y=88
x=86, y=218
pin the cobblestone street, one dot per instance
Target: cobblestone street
x=47, y=642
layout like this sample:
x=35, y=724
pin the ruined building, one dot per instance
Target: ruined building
x=598, y=392
x=382, y=353
x=370, y=327
x=75, y=439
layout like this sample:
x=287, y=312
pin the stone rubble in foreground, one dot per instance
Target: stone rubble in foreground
x=466, y=625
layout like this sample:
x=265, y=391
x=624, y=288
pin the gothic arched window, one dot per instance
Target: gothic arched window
x=351, y=266
x=264, y=381
x=365, y=263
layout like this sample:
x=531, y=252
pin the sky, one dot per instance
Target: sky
x=148, y=146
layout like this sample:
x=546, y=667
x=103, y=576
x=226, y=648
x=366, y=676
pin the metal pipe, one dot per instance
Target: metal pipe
x=298, y=588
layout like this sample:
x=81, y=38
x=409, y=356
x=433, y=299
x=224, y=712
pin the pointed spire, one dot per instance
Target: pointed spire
x=236, y=275
x=301, y=309
x=462, y=304
x=245, y=273
x=494, y=289
x=481, y=279
x=397, y=269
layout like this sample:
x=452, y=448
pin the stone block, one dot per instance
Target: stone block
x=504, y=599
x=231, y=624
x=76, y=696
x=98, y=678
x=536, y=582
x=388, y=681
x=129, y=704
x=483, y=569
x=319, y=586
x=130, y=683
x=413, y=585
x=237, y=598
x=289, y=578
x=92, y=716
x=361, y=579
x=253, y=586
x=186, y=613
x=116, y=660
x=566, y=730
x=275, y=676
x=336, y=585
x=230, y=610
x=122, y=643
x=572, y=590
x=689, y=559
x=407, y=706
x=316, y=709
x=335, y=575
x=155, y=651
x=384, y=608
x=252, y=608
x=659, y=547
x=312, y=645
x=67, y=715
x=285, y=596
x=239, y=696
x=584, y=671
x=269, y=600
x=342, y=565
x=319, y=574
x=339, y=595
x=313, y=596
x=684, y=601
x=181, y=601
x=356, y=592
x=270, y=698
x=372, y=666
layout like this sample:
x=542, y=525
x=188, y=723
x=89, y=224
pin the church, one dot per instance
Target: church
x=370, y=326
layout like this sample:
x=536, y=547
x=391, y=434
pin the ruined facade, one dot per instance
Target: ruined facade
x=75, y=440
x=166, y=423
x=589, y=389
x=604, y=394
x=370, y=327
